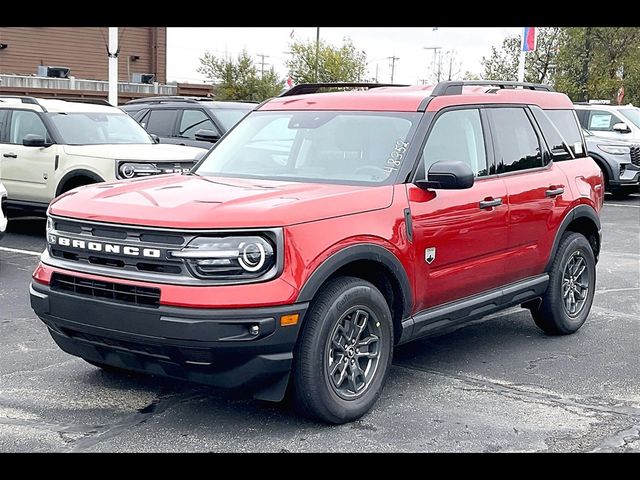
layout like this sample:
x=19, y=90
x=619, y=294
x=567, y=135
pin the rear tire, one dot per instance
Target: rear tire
x=344, y=351
x=572, y=279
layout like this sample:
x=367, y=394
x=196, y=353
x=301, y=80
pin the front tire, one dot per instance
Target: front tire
x=572, y=279
x=344, y=352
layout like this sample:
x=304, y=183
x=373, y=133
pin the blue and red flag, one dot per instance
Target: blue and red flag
x=529, y=39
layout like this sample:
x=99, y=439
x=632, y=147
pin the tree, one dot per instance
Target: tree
x=595, y=61
x=503, y=62
x=335, y=64
x=239, y=79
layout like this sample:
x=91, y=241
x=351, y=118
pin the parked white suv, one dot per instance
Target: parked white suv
x=621, y=122
x=48, y=147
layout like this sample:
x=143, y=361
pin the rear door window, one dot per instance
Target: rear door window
x=515, y=140
x=566, y=125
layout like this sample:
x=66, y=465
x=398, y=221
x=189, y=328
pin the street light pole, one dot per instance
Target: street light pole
x=113, y=66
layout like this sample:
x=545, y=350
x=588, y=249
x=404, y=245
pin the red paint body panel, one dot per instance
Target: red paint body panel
x=471, y=243
x=194, y=202
x=534, y=218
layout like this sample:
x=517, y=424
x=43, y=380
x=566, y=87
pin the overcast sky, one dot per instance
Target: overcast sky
x=186, y=45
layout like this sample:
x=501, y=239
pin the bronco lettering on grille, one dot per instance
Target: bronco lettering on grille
x=105, y=247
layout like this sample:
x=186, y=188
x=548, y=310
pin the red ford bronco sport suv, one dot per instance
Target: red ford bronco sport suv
x=324, y=230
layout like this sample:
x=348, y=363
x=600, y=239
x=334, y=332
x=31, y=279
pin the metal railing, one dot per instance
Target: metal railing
x=71, y=83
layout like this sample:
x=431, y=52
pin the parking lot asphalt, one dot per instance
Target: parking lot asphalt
x=498, y=384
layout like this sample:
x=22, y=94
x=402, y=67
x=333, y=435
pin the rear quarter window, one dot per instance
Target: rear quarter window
x=567, y=124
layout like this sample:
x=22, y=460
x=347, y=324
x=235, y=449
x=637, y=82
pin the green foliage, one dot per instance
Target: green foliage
x=502, y=64
x=238, y=79
x=595, y=61
x=335, y=64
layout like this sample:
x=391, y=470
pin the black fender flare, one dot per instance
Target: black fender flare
x=604, y=165
x=74, y=174
x=585, y=211
x=362, y=251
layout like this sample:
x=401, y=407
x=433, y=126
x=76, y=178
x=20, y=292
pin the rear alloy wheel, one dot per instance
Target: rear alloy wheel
x=572, y=279
x=344, y=351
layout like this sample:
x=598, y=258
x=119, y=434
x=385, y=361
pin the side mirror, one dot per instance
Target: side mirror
x=207, y=135
x=448, y=176
x=155, y=138
x=33, y=140
x=621, y=127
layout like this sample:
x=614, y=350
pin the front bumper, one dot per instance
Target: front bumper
x=210, y=346
x=630, y=178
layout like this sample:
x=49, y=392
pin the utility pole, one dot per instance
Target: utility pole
x=450, y=64
x=317, y=52
x=376, y=72
x=113, y=51
x=262, y=63
x=435, y=51
x=393, y=65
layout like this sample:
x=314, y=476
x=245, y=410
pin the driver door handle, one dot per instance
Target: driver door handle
x=10, y=155
x=490, y=202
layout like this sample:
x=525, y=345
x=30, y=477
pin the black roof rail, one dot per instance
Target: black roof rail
x=26, y=99
x=305, y=88
x=169, y=98
x=455, y=87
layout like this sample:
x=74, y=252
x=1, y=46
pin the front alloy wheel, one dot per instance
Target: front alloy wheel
x=344, y=352
x=353, y=352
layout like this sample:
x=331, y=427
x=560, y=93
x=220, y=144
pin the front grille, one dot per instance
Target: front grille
x=124, y=236
x=118, y=292
x=635, y=155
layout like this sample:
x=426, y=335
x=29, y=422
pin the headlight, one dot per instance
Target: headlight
x=229, y=257
x=130, y=170
x=50, y=238
x=614, y=149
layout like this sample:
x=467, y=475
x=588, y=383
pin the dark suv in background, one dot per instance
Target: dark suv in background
x=192, y=121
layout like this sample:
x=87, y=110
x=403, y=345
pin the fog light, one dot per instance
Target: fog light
x=254, y=330
x=287, y=320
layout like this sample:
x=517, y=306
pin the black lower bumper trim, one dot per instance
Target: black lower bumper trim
x=217, y=347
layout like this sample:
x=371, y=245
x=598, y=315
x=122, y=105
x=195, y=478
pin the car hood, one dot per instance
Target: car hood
x=193, y=202
x=152, y=152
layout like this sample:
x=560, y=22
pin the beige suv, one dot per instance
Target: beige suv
x=48, y=147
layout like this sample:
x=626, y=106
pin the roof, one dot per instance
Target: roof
x=410, y=99
x=56, y=106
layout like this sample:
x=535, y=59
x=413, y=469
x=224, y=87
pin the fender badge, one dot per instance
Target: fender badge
x=430, y=255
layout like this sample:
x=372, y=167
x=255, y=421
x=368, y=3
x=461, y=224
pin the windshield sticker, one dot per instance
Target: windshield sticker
x=577, y=147
x=395, y=159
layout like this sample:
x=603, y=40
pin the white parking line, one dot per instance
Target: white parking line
x=18, y=250
x=620, y=205
x=618, y=290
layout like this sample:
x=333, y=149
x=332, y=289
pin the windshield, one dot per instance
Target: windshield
x=633, y=114
x=228, y=117
x=314, y=146
x=98, y=128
